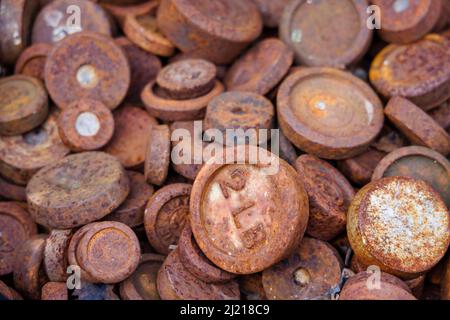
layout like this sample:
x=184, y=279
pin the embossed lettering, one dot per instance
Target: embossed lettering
x=253, y=236
x=236, y=212
x=237, y=183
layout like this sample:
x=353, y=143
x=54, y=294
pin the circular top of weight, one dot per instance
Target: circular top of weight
x=76, y=190
x=261, y=68
x=239, y=110
x=326, y=33
x=328, y=112
x=187, y=78
x=165, y=215
x=412, y=70
x=86, y=125
x=404, y=21
x=312, y=272
x=247, y=216
x=420, y=163
x=87, y=65
x=23, y=104
x=403, y=223
x=109, y=251
x=131, y=129
x=32, y=150
x=233, y=20
x=19, y=92
x=61, y=18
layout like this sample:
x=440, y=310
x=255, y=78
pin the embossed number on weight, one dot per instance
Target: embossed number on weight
x=237, y=182
x=236, y=212
x=255, y=234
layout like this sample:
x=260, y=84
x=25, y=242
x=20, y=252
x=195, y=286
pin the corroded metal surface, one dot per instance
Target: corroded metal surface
x=408, y=21
x=195, y=261
x=178, y=110
x=420, y=163
x=12, y=191
x=176, y=283
x=31, y=61
x=359, y=169
x=53, y=22
x=186, y=79
x=120, y=11
x=157, y=156
x=243, y=219
x=55, y=254
x=339, y=26
x=141, y=285
x=55, y=291
x=23, y=104
x=86, y=125
x=144, y=67
x=143, y=31
x=15, y=20
x=328, y=113
x=190, y=168
x=109, y=251
x=390, y=288
x=28, y=278
x=271, y=11
x=76, y=190
x=87, y=65
x=329, y=195
x=313, y=272
x=23, y=155
x=261, y=68
x=240, y=110
x=417, y=125
x=182, y=149
x=214, y=30
x=16, y=226
x=416, y=71
x=131, y=129
x=131, y=211
x=165, y=216
x=400, y=224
